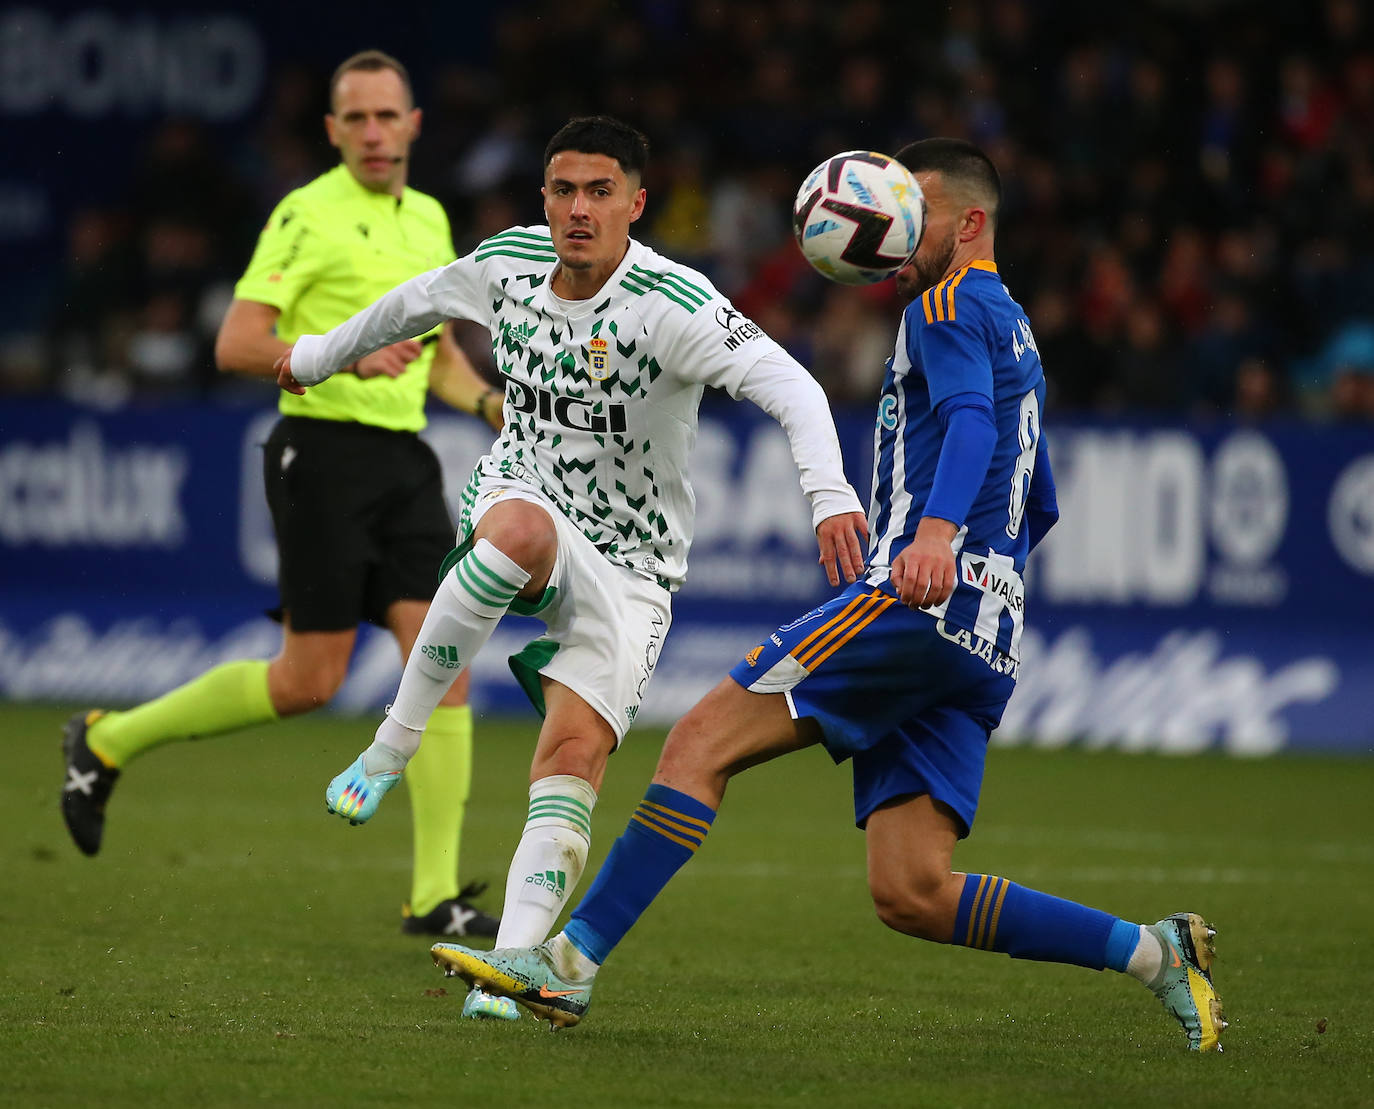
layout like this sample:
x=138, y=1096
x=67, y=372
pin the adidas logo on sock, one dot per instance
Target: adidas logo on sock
x=554, y=880
x=444, y=656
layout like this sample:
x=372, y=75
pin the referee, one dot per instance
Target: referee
x=356, y=497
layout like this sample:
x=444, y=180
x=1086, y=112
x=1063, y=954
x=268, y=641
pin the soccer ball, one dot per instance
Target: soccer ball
x=858, y=217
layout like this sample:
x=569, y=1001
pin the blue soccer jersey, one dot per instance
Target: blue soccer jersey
x=964, y=336
x=911, y=695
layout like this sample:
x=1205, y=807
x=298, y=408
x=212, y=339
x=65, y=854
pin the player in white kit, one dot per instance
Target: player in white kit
x=582, y=513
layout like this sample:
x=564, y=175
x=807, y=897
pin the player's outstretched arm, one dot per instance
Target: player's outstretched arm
x=779, y=385
x=408, y=310
x=390, y=361
x=841, y=539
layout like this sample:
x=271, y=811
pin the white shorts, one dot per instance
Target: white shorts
x=605, y=624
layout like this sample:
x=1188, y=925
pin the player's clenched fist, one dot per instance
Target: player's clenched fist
x=924, y=573
x=284, y=378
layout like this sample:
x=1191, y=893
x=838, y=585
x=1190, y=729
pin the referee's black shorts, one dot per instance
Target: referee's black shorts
x=360, y=520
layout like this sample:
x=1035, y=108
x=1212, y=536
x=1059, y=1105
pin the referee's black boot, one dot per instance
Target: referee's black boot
x=88, y=785
x=454, y=917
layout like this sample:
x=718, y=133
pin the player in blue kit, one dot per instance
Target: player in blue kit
x=907, y=671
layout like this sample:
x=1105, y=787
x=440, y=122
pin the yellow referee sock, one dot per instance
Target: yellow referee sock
x=438, y=778
x=228, y=697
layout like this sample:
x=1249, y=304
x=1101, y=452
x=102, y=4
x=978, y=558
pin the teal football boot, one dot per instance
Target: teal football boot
x=524, y=974
x=1184, y=984
x=356, y=793
x=479, y=1005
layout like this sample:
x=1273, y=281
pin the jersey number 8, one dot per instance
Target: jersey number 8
x=1028, y=435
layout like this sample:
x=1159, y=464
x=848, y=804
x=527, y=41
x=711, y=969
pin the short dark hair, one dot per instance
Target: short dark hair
x=960, y=162
x=370, y=61
x=602, y=135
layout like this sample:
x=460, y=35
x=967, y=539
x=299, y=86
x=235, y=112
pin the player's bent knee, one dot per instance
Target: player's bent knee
x=719, y=737
x=914, y=909
x=909, y=919
x=689, y=756
x=580, y=756
x=524, y=533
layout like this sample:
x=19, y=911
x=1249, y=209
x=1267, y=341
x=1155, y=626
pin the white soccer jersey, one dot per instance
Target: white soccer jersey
x=601, y=394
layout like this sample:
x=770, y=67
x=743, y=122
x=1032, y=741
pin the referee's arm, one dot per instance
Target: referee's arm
x=247, y=342
x=454, y=380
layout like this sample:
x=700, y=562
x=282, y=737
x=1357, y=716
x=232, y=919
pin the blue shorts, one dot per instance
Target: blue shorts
x=910, y=700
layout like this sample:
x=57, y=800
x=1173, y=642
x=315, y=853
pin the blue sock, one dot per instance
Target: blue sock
x=998, y=915
x=1121, y=944
x=664, y=832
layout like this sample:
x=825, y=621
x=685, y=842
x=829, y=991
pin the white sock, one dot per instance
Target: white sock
x=381, y=756
x=467, y=606
x=570, y=963
x=548, y=862
x=1147, y=960
x=395, y=736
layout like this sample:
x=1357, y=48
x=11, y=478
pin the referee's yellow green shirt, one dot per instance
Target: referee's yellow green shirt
x=329, y=249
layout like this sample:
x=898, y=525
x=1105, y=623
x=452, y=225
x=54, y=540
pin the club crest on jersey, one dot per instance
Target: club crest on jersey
x=597, y=359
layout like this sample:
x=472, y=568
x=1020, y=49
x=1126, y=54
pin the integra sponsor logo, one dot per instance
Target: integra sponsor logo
x=739, y=329
x=572, y=413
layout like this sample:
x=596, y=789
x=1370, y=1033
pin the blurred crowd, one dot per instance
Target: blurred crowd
x=1189, y=211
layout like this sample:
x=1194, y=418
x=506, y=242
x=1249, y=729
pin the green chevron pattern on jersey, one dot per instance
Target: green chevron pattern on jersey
x=606, y=438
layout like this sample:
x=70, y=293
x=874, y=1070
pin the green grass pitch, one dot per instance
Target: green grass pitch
x=233, y=944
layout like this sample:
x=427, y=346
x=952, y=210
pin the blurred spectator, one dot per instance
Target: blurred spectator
x=1189, y=217
x=1074, y=375
x=1230, y=336
x=853, y=341
x=680, y=219
x=1339, y=380
x=1308, y=105
x=1185, y=280
x=1147, y=377
x=1352, y=393
x=750, y=213
x=96, y=292
x=1259, y=393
